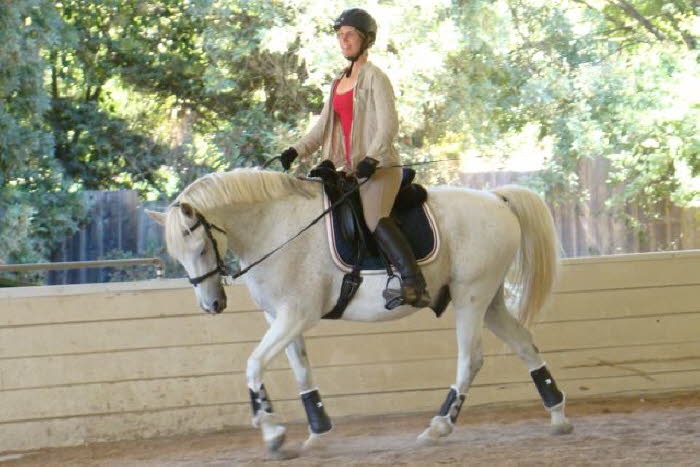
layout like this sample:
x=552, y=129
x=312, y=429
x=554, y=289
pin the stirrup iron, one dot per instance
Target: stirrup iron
x=393, y=297
x=397, y=297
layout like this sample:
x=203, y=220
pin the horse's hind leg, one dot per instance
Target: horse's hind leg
x=507, y=328
x=469, y=311
x=319, y=422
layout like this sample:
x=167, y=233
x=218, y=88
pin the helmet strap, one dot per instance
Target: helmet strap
x=348, y=70
x=363, y=49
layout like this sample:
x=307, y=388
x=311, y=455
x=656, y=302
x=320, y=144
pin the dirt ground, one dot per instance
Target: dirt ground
x=660, y=430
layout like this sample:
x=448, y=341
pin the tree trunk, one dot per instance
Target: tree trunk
x=634, y=13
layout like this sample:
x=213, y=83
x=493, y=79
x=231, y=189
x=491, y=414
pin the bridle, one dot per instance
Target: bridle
x=220, y=265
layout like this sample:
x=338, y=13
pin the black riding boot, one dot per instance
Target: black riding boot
x=394, y=244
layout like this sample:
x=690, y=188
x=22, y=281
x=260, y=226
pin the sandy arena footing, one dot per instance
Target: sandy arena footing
x=659, y=430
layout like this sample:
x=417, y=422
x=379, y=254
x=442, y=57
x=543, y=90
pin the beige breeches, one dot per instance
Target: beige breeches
x=379, y=193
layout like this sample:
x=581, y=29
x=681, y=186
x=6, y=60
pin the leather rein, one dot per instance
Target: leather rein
x=221, y=267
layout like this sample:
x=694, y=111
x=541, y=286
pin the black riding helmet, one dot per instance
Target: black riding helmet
x=363, y=22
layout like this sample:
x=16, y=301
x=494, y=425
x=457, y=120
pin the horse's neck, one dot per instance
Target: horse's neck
x=255, y=229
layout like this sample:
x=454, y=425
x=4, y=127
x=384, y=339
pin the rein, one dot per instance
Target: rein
x=311, y=224
x=221, y=266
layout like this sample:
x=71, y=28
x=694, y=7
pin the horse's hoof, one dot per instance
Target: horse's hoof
x=315, y=441
x=426, y=438
x=439, y=428
x=563, y=428
x=275, y=441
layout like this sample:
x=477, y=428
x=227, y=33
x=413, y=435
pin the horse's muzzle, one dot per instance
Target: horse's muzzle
x=216, y=306
x=219, y=305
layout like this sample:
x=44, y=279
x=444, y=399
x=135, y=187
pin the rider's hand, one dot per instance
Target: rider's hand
x=287, y=157
x=324, y=170
x=366, y=167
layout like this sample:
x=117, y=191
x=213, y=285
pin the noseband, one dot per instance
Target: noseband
x=220, y=266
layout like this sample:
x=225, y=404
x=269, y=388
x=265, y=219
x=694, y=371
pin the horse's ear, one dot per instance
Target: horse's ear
x=187, y=209
x=159, y=217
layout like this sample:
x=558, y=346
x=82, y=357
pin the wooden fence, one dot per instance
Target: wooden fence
x=118, y=226
x=590, y=228
x=118, y=223
x=104, y=362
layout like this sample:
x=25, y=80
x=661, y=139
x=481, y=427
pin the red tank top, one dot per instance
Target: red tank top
x=342, y=104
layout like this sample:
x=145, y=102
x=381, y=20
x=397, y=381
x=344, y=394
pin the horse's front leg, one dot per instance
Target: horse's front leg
x=282, y=331
x=319, y=422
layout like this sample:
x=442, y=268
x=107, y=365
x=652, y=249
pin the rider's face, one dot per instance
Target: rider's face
x=349, y=40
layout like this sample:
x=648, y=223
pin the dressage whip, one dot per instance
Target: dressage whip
x=324, y=213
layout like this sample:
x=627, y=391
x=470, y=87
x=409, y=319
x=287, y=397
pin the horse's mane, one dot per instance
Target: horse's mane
x=239, y=186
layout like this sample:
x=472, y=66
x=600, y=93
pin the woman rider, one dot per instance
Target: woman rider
x=356, y=130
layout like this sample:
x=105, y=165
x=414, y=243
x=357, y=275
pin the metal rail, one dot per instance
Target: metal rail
x=157, y=262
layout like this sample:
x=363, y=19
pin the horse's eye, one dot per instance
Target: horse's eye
x=204, y=251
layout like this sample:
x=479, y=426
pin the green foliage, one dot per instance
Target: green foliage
x=151, y=95
x=100, y=151
x=35, y=204
x=622, y=94
x=647, y=21
x=96, y=148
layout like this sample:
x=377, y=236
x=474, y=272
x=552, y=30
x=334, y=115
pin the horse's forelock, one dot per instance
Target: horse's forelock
x=176, y=223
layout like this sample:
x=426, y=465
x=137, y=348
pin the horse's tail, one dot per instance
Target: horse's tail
x=535, y=268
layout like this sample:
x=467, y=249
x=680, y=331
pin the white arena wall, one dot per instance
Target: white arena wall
x=102, y=362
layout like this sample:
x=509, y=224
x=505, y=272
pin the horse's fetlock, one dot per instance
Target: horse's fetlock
x=452, y=405
x=264, y=419
x=260, y=402
x=256, y=419
x=547, y=387
x=261, y=407
x=319, y=422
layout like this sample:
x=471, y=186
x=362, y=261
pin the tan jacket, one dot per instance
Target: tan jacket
x=375, y=123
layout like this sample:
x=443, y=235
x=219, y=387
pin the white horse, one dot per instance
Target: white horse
x=481, y=233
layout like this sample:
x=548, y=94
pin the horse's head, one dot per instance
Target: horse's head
x=200, y=247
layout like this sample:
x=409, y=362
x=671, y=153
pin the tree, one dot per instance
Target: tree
x=35, y=205
x=591, y=91
x=97, y=148
x=151, y=95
